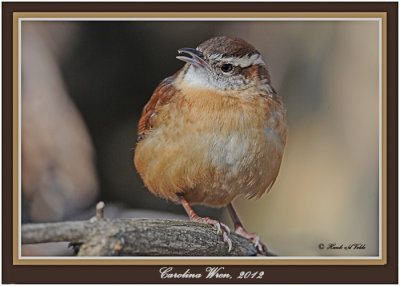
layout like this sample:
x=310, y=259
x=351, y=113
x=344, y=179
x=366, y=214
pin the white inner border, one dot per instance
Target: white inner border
x=379, y=20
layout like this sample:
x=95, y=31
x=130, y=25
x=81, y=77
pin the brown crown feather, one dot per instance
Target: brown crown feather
x=227, y=46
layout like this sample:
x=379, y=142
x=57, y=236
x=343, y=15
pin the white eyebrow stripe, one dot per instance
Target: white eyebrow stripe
x=244, y=61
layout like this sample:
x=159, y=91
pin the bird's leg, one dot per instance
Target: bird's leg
x=239, y=229
x=221, y=228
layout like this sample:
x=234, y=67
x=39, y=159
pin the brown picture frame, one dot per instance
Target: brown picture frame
x=148, y=271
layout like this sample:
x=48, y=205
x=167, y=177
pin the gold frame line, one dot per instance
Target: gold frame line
x=190, y=15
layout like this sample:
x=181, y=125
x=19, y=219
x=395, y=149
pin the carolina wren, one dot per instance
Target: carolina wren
x=213, y=131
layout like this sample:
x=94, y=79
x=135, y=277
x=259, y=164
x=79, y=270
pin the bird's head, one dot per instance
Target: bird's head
x=224, y=63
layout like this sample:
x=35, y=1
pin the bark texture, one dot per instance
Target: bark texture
x=130, y=237
x=137, y=237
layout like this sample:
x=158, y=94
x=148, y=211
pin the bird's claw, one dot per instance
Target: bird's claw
x=221, y=229
x=218, y=226
x=225, y=237
x=261, y=248
x=255, y=239
x=225, y=231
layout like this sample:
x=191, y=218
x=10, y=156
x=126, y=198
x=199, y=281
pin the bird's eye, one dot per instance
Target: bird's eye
x=226, y=68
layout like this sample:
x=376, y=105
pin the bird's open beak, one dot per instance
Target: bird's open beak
x=196, y=59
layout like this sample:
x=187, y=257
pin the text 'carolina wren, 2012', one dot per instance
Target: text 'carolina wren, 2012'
x=214, y=130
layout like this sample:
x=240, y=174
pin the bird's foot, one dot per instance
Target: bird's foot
x=261, y=248
x=221, y=228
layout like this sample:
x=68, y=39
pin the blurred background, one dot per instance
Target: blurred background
x=84, y=85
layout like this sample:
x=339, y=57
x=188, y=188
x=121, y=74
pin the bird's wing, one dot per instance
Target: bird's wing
x=161, y=96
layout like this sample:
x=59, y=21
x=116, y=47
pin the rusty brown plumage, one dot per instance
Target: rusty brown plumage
x=160, y=97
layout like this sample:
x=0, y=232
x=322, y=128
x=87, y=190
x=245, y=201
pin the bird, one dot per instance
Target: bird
x=213, y=131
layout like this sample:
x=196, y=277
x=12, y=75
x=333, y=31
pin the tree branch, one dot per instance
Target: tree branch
x=138, y=237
